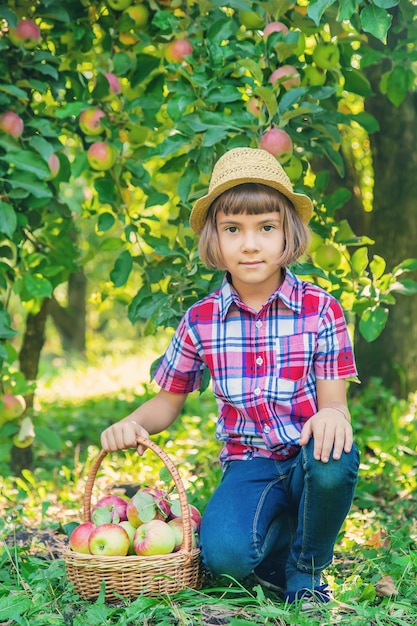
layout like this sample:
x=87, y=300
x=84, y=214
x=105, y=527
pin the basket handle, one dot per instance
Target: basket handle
x=186, y=545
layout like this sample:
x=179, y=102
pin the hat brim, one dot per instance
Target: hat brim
x=302, y=203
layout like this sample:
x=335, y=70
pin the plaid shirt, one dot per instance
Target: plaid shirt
x=263, y=364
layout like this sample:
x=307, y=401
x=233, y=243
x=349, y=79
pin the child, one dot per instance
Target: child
x=279, y=355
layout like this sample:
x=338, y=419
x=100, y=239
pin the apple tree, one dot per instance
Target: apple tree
x=112, y=114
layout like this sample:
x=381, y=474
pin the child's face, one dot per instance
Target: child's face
x=251, y=246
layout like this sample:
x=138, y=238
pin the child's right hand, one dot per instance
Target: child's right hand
x=123, y=435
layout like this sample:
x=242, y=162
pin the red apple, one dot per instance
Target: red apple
x=177, y=528
x=131, y=533
x=275, y=27
x=90, y=121
x=114, y=83
x=11, y=123
x=79, y=537
x=116, y=505
x=26, y=33
x=177, y=50
x=147, y=504
x=11, y=407
x=109, y=540
x=154, y=537
x=195, y=515
x=277, y=142
x=254, y=106
x=54, y=165
x=101, y=156
x=289, y=73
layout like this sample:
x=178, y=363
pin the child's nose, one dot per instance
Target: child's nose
x=250, y=241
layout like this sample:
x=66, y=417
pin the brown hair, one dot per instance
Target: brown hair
x=254, y=199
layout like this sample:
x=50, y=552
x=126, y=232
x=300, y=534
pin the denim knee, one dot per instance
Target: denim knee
x=334, y=474
x=223, y=551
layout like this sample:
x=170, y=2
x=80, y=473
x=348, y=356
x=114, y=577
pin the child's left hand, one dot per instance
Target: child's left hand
x=330, y=430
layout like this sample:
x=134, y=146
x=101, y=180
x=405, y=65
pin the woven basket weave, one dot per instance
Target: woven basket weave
x=131, y=576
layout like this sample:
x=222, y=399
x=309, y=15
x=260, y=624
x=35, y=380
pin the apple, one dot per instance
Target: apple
x=101, y=156
x=26, y=33
x=277, y=142
x=154, y=537
x=254, y=106
x=326, y=56
x=11, y=123
x=294, y=168
x=328, y=257
x=250, y=19
x=177, y=528
x=139, y=13
x=147, y=504
x=292, y=77
x=313, y=76
x=78, y=541
x=275, y=27
x=177, y=50
x=90, y=121
x=54, y=166
x=116, y=505
x=114, y=83
x=109, y=540
x=315, y=242
x=131, y=532
x=119, y=5
x=11, y=407
x=195, y=515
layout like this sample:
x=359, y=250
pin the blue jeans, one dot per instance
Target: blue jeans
x=265, y=512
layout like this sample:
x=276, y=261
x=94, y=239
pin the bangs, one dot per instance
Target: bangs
x=250, y=199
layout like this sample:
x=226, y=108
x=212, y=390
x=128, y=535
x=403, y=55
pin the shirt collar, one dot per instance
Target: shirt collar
x=289, y=292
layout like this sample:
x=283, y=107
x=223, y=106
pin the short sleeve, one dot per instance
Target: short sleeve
x=334, y=354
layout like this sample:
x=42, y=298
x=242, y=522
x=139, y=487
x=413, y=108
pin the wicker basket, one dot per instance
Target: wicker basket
x=131, y=576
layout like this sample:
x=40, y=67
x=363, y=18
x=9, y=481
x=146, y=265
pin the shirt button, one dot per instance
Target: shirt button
x=257, y=391
x=259, y=360
x=267, y=429
x=258, y=324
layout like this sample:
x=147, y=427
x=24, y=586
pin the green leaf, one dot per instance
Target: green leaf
x=222, y=30
x=31, y=184
x=269, y=98
x=105, y=222
x=122, y=268
x=48, y=438
x=346, y=10
x=12, y=606
x=8, y=219
x=6, y=331
x=101, y=515
x=316, y=8
x=367, y=121
x=253, y=68
x=408, y=265
x=14, y=91
x=376, y=21
x=28, y=162
x=356, y=82
x=377, y=266
x=70, y=109
x=386, y=4
x=398, y=83
x=38, y=286
x=372, y=323
x=145, y=506
x=407, y=287
x=359, y=260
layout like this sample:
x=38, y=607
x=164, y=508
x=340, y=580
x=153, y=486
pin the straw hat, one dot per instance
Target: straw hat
x=248, y=165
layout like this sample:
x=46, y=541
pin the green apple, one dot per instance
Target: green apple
x=294, y=168
x=326, y=56
x=119, y=5
x=328, y=257
x=313, y=76
x=139, y=13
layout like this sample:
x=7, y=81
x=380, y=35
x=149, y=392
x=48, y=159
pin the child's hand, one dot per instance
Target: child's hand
x=330, y=430
x=123, y=435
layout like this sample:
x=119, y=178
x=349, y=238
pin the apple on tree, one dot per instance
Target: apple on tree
x=78, y=541
x=101, y=156
x=139, y=14
x=275, y=27
x=177, y=50
x=11, y=407
x=90, y=121
x=54, y=166
x=326, y=56
x=251, y=19
x=277, y=142
x=286, y=75
x=11, y=123
x=119, y=5
x=328, y=257
x=27, y=33
x=109, y=540
x=153, y=537
x=314, y=76
x=114, y=83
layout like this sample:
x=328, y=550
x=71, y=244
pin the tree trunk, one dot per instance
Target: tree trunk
x=30, y=352
x=70, y=321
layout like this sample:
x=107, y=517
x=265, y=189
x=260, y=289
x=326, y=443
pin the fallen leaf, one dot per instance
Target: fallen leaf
x=386, y=587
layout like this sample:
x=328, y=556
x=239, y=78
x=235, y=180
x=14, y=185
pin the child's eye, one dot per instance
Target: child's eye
x=268, y=227
x=231, y=229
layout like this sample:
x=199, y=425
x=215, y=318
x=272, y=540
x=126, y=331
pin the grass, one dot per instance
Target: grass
x=375, y=566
